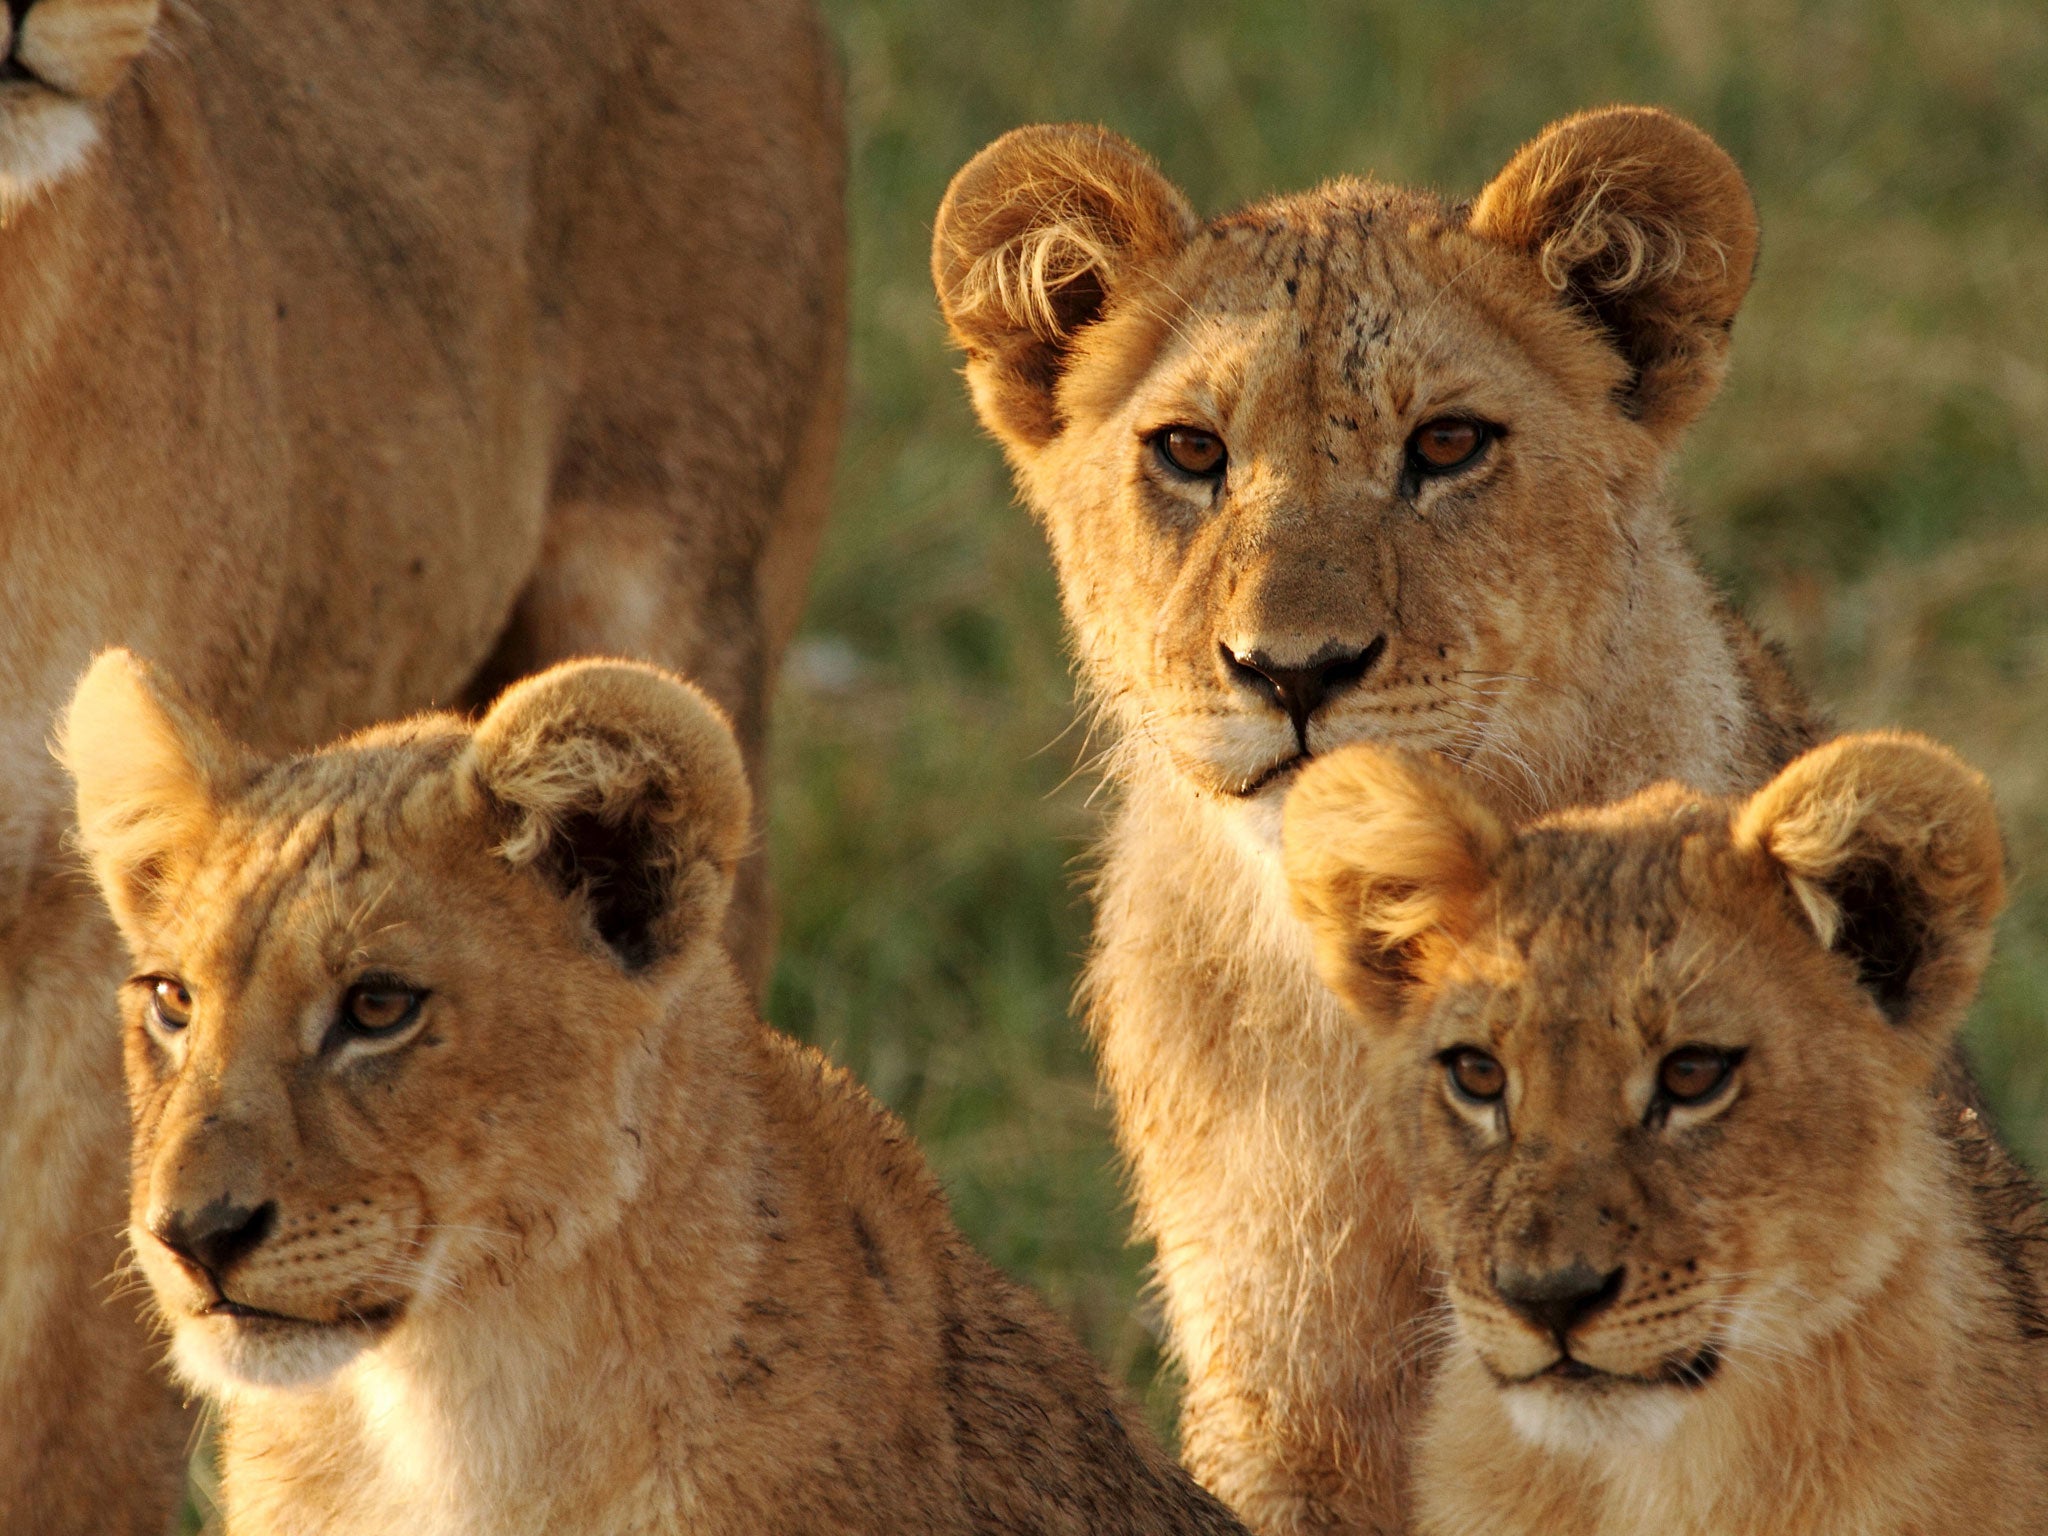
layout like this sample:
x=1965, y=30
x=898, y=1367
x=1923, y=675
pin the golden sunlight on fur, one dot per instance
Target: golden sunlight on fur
x=356, y=359
x=473, y=1191
x=1358, y=463
x=1716, y=1261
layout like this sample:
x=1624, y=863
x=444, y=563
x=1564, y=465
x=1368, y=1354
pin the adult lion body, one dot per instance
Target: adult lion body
x=351, y=359
x=1354, y=463
x=471, y=1187
x=1715, y=1263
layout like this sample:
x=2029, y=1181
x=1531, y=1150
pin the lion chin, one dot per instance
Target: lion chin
x=1578, y=1418
x=223, y=1355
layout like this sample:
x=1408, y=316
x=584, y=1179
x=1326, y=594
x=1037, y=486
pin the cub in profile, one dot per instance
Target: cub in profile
x=1660, y=1072
x=467, y=1181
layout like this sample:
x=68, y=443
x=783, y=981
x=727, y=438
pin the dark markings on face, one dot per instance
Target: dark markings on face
x=332, y=830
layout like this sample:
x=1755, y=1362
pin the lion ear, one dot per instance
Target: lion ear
x=1387, y=856
x=622, y=789
x=1645, y=223
x=151, y=771
x=1889, y=846
x=1036, y=235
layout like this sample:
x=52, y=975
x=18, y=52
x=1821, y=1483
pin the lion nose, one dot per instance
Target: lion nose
x=1558, y=1300
x=217, y=1236
x=1302, y=690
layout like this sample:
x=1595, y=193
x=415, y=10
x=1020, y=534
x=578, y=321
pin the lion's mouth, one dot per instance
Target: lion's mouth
x=1279, y=772
x=1690, y=1373
x=374, y=1319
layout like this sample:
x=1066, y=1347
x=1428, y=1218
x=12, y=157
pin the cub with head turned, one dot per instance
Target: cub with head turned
x=1351, y=464
x=468, y=1183
x=1658, y=1074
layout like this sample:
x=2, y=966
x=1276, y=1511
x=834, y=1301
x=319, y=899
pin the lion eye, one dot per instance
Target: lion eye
x=1695, y=1073
x=1192, y=451
x=371, y=1009
x=1447, y=443
x=171, y=1002
x=1475, y=1075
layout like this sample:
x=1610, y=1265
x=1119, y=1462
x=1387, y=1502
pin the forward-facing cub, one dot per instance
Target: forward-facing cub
x=468, y=1183
x=1661, y=1073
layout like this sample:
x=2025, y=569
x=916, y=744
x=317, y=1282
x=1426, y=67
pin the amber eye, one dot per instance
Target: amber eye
x=171, y=1003
x=1447, y=443
x=1475, y=1075
x=1695, y=1073
x=374, y=1008
x=1192, y=451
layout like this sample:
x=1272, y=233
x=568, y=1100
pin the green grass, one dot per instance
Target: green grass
x=1872, y=484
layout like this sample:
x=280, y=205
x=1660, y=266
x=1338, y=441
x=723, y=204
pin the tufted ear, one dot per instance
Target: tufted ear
x=1889, y=844
x=1387, y=855
x=1036, y=235
x=1643, y=222
x=150, y=771
x=625, y=792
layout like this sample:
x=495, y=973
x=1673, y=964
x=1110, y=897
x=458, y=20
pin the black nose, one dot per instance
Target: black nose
x=1302, y=690
x=218, y=1235
x=1558, y=1300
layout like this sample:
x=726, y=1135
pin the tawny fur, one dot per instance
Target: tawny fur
x=1826, y=1310
x=583, y=1246
x=355, y=359
x=1535, y=617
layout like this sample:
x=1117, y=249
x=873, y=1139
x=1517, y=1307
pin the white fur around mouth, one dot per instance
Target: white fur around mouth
x=1579, y=1413
x=44, y=137
x=1563, y=1419
x=222, y=1352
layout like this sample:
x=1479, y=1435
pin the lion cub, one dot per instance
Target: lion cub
x=1712, y=1266
x=468, y=1183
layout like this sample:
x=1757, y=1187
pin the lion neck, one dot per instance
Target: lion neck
x=46, y=278
x=71, y=252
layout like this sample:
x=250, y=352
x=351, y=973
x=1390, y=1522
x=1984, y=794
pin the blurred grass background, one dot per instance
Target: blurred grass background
x=1872, y=485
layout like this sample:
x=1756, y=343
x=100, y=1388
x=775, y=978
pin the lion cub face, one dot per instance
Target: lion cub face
x=1354, y=463
x=393, y=1001
x=1659, y=1069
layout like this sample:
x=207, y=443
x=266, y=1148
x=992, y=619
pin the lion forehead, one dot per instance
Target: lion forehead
x=309, y=860
x=1343, y=298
